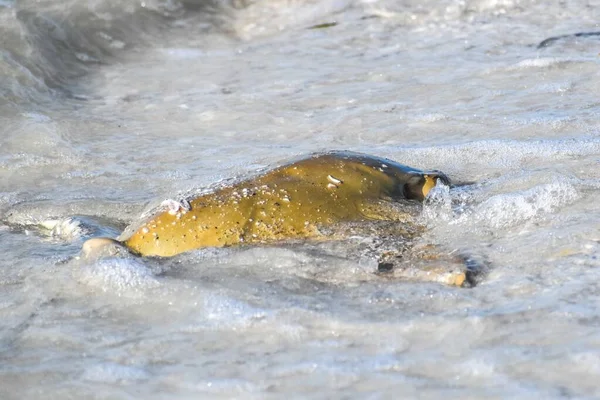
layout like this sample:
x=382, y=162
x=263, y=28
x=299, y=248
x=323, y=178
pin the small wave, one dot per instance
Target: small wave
x=431, y=12
x=430, y=118
x=226, y=387
x=503, y=210
x=510, y=209
x=552, y=40
x=467, y=218
x=495, y=153
x=183, y=53
x=93, y=216
x=47, y=47
x=543, y=62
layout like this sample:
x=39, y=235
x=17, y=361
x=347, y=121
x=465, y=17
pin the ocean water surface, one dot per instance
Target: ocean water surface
x=109, y=107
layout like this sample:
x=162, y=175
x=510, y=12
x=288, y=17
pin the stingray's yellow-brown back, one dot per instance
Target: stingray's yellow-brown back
x=292, y=201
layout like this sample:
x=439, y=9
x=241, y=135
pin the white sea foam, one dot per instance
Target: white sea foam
x=510, y=209
x=66, y=229
x=113, y=373
x=438, y=204
x=219, y=311
x=539, y=63
x=121, y=276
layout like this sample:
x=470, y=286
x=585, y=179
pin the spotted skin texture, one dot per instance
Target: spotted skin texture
x=294, y=201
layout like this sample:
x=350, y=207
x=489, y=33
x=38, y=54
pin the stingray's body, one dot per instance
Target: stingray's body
x=300, y=200
x=292, y=201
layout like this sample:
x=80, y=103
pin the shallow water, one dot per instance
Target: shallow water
x=108, y=108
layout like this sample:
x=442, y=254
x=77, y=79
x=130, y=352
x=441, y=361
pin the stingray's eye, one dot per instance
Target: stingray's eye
x=430, y=181
x=418, y=186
